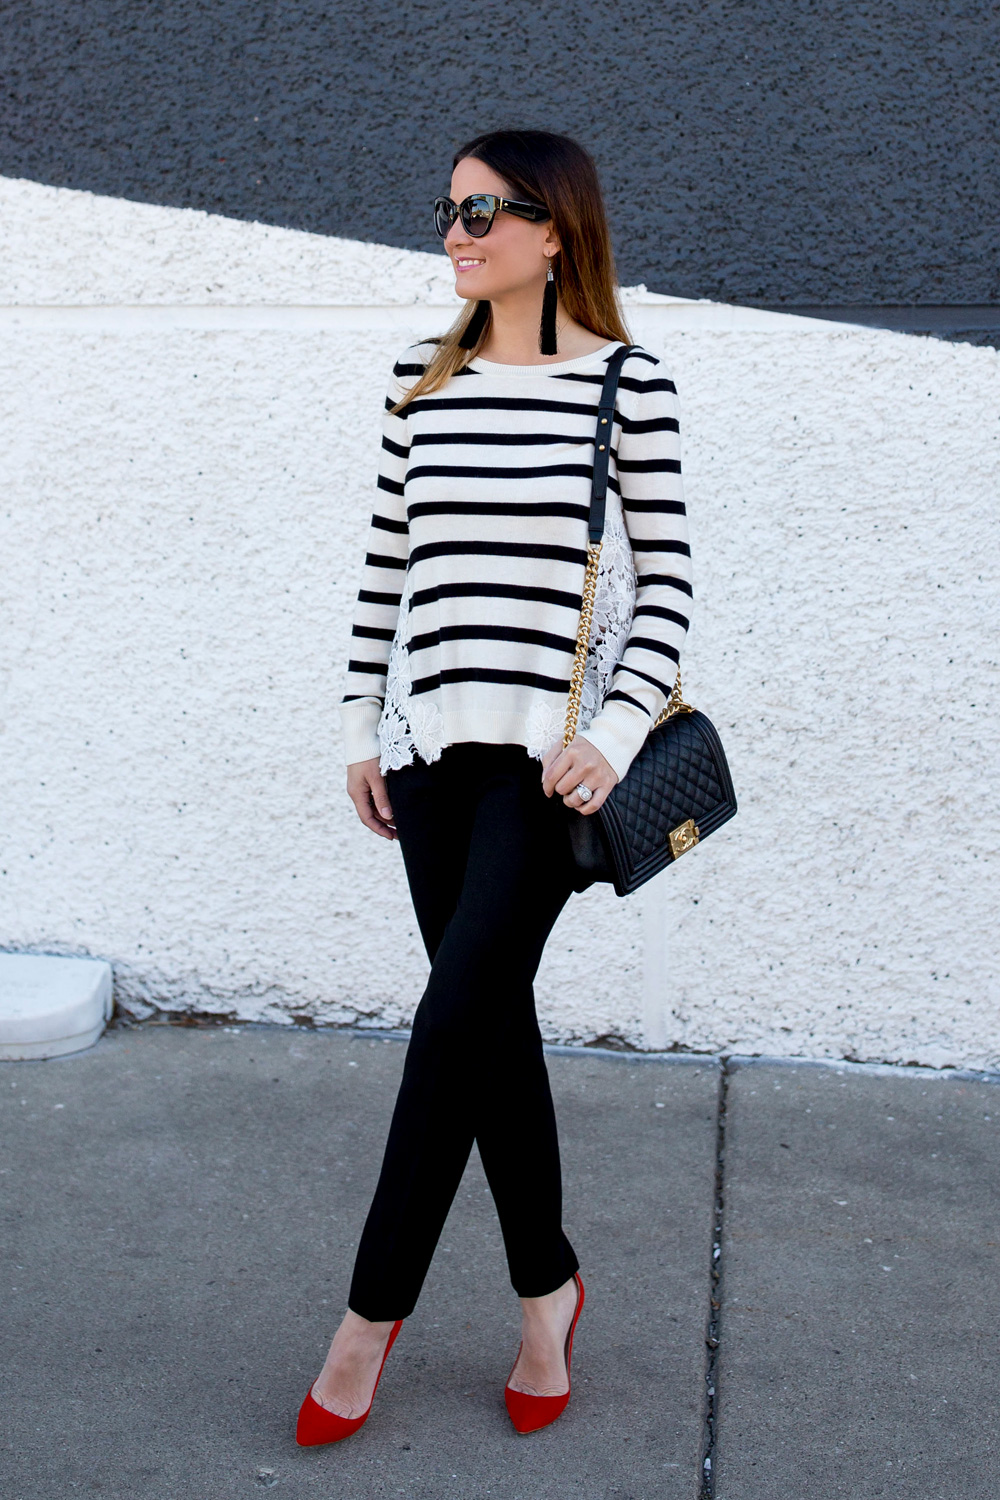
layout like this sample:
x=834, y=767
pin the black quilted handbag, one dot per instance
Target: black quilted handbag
x=677, y=789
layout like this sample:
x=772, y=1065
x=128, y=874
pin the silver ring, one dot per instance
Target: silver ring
x=585, y=792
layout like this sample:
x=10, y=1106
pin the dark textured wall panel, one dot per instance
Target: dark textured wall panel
x=813, y=153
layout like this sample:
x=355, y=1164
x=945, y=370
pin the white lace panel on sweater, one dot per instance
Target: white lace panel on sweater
x=414, y=726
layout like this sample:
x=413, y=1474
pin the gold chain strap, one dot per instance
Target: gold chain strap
x=675, y=703
x=582, y=642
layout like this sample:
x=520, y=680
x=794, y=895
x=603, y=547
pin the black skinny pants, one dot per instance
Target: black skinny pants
x=489, y=867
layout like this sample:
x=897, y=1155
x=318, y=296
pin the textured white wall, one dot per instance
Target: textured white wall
x=191, y=407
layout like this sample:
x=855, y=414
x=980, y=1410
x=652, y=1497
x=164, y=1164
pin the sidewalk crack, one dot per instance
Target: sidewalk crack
x=713, y=1328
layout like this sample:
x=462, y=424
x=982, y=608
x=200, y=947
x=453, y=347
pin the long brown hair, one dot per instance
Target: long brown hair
x=558, y=172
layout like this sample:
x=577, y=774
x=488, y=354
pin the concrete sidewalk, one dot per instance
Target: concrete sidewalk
x=181, y=1208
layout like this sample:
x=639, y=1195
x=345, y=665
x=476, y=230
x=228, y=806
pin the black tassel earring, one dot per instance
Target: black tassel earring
x=547, y=327
x=470, y=338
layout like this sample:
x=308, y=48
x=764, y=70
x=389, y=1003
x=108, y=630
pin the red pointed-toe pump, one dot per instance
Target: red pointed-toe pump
x=317, y=1425
x=530, y=1413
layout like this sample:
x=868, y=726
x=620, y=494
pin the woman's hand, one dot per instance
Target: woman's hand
x=366, y=789
x=564, y=770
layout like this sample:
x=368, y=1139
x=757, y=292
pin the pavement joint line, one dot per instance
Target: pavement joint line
x=713, y=1330
x=729, y=1061
x=723, y=1059
x=917, y=1071
x=627, y=1055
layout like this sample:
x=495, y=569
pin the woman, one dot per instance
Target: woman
x=463, y=641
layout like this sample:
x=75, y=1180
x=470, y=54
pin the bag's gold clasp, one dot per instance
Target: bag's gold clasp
x=683, y=837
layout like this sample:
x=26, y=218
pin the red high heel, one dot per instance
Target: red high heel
x=529, y=1413
x=317, y=1425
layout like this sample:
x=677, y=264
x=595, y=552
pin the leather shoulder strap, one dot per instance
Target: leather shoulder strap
x=602, y=440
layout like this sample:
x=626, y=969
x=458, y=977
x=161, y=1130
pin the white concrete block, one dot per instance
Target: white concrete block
x=50, y=1006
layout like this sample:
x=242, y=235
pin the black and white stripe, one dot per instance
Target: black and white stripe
x=484, y=491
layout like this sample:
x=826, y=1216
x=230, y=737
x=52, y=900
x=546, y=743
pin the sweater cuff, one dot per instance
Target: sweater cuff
x=618, y=731
x=359, y=725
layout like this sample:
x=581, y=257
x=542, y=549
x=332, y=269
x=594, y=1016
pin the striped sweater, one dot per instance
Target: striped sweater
x=466, y=618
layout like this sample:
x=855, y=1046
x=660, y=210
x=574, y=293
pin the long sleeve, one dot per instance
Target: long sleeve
x=649, y=476
x=377, y=608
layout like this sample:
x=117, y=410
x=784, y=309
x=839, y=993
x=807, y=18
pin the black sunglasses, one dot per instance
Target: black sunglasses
x=479, y=210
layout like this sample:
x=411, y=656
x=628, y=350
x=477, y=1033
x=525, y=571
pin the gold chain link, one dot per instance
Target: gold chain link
x=675, y=703
x=582, y=642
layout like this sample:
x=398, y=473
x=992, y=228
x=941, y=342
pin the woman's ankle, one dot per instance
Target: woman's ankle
x=543, y=1307
x=354, y=1327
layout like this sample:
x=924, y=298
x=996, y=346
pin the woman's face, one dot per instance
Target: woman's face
x=510, y=257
